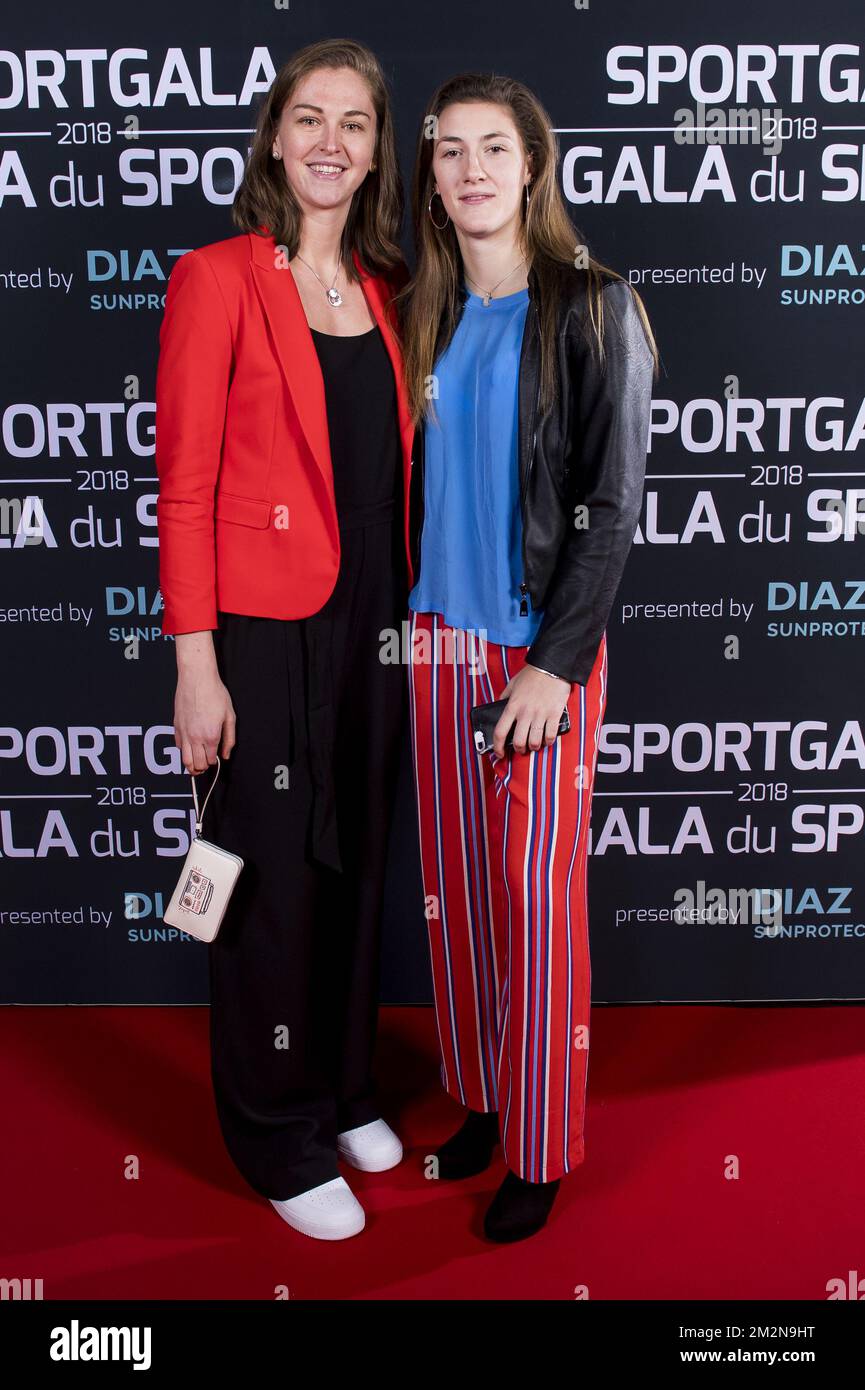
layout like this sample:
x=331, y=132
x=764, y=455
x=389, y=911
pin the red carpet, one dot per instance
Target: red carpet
x=673, y=1093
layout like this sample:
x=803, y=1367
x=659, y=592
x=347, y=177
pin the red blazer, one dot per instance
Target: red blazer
x=246, y=512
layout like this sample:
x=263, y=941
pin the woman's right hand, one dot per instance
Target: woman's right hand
x=203, y=712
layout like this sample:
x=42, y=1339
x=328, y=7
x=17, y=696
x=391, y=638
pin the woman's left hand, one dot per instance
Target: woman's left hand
x=535, y=704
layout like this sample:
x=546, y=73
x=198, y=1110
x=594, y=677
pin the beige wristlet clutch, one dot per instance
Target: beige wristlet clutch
x=206, y=881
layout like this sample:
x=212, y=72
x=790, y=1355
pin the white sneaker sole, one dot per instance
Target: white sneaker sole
x=366, y=1163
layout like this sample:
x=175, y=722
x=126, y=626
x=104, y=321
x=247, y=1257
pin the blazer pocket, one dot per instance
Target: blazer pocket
x=245, y=511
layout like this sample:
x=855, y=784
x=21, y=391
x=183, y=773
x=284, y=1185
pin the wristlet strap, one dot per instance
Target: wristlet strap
x=199, y=815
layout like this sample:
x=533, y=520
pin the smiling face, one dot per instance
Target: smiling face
x=480, y=167
x=326, y=137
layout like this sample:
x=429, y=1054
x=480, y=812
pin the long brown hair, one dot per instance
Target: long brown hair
x=431, y=304
x=265, y=197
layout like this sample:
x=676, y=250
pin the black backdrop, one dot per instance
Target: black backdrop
x=733, y=750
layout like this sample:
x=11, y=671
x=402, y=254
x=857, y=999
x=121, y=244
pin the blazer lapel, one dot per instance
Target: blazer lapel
x=298, y=358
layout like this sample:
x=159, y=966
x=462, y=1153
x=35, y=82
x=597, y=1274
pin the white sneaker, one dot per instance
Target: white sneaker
x=372, y=1148
x=327, y=1212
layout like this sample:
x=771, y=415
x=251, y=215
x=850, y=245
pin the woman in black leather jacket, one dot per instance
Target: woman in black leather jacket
x=529, y=367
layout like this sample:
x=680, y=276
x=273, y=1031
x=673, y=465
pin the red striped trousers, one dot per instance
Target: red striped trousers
x=504, y=846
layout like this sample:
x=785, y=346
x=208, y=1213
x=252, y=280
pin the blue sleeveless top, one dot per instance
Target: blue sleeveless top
x=471, y=543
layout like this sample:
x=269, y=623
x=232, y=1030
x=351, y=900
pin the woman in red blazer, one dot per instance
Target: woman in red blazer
x=283, y=451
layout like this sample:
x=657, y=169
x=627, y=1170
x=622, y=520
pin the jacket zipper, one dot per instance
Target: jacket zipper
x=419, y=486
x=524, y=588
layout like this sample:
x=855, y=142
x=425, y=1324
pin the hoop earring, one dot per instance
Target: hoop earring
x=526, y=186
x=438, y=228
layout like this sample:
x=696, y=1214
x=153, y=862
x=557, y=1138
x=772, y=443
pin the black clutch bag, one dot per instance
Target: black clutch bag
x=485, y=718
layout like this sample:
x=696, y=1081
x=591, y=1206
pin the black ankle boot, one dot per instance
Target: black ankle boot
x=470, y=1150
x=519, y=1208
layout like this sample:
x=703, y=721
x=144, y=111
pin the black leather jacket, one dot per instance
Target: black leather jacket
x=589, y=448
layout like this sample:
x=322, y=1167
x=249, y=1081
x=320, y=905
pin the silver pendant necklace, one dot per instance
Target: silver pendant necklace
x=488, y=294
x=334, y=298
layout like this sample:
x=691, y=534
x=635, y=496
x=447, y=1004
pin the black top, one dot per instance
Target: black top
x=365, y=446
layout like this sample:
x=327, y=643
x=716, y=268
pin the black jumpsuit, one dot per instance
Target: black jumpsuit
x=306, y=798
